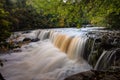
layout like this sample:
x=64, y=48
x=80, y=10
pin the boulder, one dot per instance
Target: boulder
x=96, y=75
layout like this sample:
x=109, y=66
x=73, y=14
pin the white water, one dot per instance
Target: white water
x=41, y=61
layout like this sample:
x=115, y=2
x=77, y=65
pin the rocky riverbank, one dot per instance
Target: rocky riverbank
x=96, y=75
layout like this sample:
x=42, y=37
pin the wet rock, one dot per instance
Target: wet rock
x=82, y=76
x=1, y=77
x=35, y=40
x=98, y=40
x=96, y=75
x=1, y=64
x=31, y=40
x=27, y=39
x=107, y=46
x=24, y=32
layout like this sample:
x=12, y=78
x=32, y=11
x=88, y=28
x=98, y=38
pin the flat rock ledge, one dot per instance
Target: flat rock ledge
x=96, y=75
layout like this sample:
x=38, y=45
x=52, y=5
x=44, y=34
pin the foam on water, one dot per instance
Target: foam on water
x=56, y=57
x=40, y=61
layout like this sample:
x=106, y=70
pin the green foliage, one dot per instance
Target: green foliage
x=113, y=20
x=99, y=12
x=78, y=12
x=4, y=24
x=32, y=14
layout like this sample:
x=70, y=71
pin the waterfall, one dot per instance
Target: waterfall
x=105, y=59
x=56, y=56
x=44, y=34
x=77, y=47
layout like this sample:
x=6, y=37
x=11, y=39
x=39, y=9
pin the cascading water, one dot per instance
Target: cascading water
x=53, y=58
x=105, y=59
x=59, y=54
x=43, y=35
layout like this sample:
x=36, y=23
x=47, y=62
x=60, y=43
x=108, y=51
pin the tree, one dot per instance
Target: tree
x=4, y=23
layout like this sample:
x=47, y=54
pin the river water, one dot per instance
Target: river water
x=56, y=56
